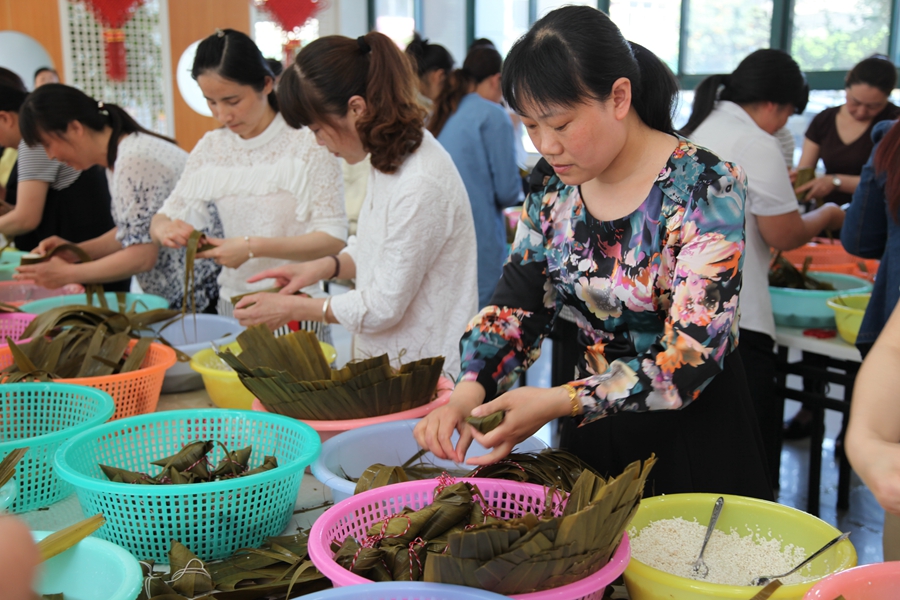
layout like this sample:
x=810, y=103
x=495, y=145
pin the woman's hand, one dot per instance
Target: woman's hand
x=229, y=252
x=51, y=274
x=434, y=432
x=878, y=465
x=294, y=277
x=818, y=188
x=172, y=234
x=273, y=310
x=527, y=410
x=53, y=242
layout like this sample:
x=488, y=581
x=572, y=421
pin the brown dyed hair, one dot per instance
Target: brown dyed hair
x=332, y=69
x=887, y=160
x=481, y=63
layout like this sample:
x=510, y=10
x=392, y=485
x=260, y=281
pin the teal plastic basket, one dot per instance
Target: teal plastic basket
x=42, y=416
x=212, y=519
x=9, y=260
x=141, y=302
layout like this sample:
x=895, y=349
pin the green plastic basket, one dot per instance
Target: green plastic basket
x=42, y=416
x=212, y=519
x=140, y=302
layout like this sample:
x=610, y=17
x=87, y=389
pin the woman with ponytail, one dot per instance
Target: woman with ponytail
x=279, y=195
x=737, y=116
x=471, y=125
x=639, y=233
x=433, y=64
x=143, y=169
x=413, y=257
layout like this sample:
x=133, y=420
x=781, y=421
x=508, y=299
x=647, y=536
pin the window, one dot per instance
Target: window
x=834, y=35
x=444, y=22
x=396, y=19
x=271, y=38
x=722, y=32
x=652, y=24
x=544, y=6
x=501, y=21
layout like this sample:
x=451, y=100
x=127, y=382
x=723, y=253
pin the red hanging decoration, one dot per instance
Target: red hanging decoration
x=291, y=14
x=113, y=14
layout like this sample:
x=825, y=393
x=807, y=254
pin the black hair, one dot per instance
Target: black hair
x=428, y=57
x=233, y=55
x=482, y=42
x=481, y=63
x=50, y=108
x=12, y=91
x=763, y=76
x=275, y=65
x=877, y=71
x=42, y=69
x=575, y=53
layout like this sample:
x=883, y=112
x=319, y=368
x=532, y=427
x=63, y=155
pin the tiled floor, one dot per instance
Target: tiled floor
x=864, y=517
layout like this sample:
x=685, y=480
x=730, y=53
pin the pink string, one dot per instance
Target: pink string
x=370, y=541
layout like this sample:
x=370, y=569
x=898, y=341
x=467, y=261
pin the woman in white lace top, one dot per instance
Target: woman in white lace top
x=278, y=194
x=414, y=256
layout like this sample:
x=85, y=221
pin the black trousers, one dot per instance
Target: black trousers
x=757, y=352
x=713, y=445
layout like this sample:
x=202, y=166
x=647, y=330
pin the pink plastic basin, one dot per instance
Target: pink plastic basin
x=17, y=293
x=329, y=429
x=868, y=582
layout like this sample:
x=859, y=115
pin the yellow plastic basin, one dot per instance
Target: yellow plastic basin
x=222, y=383
x=746, y=515
x=848, y=314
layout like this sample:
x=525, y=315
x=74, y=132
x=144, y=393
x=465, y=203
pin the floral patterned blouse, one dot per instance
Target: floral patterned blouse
x=654, y=294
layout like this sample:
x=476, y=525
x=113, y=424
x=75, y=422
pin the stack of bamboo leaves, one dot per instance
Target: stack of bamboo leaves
x=280, y=568
x=783, y=274
x=549, y=467
x=291, y=376
x=456, y=540
x=83, y=341
x=191, y=465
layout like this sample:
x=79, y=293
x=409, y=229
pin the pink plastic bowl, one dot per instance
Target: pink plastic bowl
x=868, y=582
x=18, y=293
x=329, y=429
x=355, y=515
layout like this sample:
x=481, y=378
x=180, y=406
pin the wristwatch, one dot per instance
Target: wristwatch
x=836, y=181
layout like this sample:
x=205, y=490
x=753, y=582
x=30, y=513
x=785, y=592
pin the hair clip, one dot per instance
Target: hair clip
x=219, y=32
x=363, y=44
x=102, y=108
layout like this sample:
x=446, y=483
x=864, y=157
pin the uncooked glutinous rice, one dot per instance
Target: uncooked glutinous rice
x=672, y=545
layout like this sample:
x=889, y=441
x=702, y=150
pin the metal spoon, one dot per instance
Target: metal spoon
x=765, y=580
x=700, y=569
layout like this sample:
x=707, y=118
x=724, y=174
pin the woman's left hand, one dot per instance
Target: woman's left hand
x=274, y=310
x=818, y=188
x=527, y=410
x=51, y=274
x=229, y=252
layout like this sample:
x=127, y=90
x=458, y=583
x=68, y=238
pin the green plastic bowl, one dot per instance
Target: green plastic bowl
x=92, y=570
x=141, y=302
x=9, y=260
x=808, y=309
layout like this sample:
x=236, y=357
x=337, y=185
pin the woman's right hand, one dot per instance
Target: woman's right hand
x=53, y=242
x=174, y=234
x=294, y=277
x=434, y=432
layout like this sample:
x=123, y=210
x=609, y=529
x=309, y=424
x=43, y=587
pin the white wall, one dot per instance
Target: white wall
x=344, y=17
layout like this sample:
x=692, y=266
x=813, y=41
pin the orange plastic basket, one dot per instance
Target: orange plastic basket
x=134, y=393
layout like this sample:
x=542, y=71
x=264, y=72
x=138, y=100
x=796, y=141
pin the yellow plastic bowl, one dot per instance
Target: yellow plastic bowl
x=222, y=384
x=746, y=516
x=848, y=314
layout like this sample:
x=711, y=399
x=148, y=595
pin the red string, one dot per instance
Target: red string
x=370, y=541
x=444, y=480
x=414, y=555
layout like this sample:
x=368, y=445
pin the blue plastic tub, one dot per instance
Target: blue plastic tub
x=192, y=334
x=808, y=309
x=140, y=302
x=403, y=590
x=212, y=519
x=41, y=416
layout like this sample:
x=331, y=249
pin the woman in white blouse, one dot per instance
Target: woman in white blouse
x=143, y=169
x=414, y=257
x=279, y=195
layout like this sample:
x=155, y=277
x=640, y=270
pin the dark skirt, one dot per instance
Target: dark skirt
x=713, y=445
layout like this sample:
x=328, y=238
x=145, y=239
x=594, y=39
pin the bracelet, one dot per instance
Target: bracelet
x=337, y=266
x=325, y=309
x=249, y=251
x=573, y=398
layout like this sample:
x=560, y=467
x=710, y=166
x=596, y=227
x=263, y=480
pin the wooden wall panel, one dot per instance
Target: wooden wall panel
x=190, y=21
x=40, y=20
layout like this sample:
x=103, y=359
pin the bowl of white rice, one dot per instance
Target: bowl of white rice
x=752, y=538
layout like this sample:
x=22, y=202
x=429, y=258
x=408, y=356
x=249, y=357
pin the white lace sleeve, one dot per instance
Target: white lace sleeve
x=324, y=202
x=181, y=205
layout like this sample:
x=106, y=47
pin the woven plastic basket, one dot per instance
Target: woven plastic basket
x=134, y=393
x=212, y=519
x=42, y=416
x=353, y=517
x=403, y=590
x=13, y=324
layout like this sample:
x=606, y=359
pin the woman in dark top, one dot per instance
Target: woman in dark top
x=842, y=136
